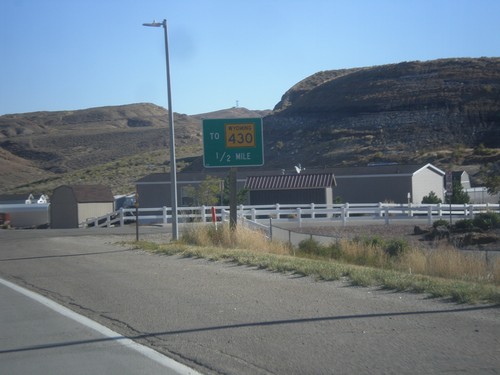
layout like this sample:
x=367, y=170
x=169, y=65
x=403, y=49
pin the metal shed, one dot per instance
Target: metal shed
x=388, y=183
x=291, y=189
x=71, y=205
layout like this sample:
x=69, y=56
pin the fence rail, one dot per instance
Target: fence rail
x=298, y=214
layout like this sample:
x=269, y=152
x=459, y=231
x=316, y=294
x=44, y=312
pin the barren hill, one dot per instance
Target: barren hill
x=112, y=145
x=440, y=111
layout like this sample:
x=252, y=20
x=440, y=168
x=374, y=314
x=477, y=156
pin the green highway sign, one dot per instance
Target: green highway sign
x=232, y=143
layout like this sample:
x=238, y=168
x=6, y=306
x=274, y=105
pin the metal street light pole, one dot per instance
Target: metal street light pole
x=173, y=164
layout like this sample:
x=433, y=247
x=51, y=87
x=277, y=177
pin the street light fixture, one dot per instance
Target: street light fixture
x=173, y=164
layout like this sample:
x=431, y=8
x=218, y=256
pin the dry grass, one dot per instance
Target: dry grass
x=450, y=263
x=241, y=238
x=363, y=253
x=445, y=262
x=447, y=273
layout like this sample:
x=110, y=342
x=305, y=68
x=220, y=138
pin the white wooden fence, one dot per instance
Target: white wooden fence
x=298, y=214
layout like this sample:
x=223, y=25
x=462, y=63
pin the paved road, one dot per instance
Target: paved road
x=39, y=336
x=226, y=319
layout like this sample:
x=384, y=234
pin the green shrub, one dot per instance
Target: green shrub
x=487, y=220
x=465, y=224
x=313, y=247
x=441, y=223
x=396, y=247
x=432, y=198
x=335, y=250
x=309, y=246
x=369, y=241
x=376, y=241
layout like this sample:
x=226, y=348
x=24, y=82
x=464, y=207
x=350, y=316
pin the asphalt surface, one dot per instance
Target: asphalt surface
x=39, y=336
x=219, y=318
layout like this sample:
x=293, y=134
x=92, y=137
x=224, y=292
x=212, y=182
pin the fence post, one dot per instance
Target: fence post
x=299, y=216
x=429, y=213
x=165, y=219
x=278, y=211
x=471, y=211
x=313, y=214
x=202, y=211
x=271, y=228
x=380, y=204
x=122, y=220
x=343, y=213
x=346, y=205
x=253, y=214
x=440, y=210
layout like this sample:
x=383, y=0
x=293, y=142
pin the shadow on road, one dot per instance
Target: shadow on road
x=246, y=325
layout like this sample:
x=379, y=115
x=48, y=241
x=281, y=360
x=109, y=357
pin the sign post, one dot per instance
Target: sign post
x=232, y=143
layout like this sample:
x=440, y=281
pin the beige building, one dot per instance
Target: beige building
x=72, y=205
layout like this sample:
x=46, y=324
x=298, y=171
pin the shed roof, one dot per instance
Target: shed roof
x=90, y=193
x=292, y=181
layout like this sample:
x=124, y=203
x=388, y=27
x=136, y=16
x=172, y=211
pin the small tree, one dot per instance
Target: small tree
x=491, y=177
x=206, y=193
x=209, y=191
x=432, y=198
x=458, y=196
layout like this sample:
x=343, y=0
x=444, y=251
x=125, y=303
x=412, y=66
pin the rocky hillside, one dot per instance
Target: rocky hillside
x=393, y=113
x=446, y=112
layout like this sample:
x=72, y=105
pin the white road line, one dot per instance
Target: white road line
x=144, y=350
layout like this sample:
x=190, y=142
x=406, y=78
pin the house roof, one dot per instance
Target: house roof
x=90, y=193
x=291, y=181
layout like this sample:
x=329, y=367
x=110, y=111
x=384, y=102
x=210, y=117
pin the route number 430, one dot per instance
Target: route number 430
x=240, y=135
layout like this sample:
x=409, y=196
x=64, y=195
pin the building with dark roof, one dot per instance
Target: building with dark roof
x=388, y=183
x=291, y=188
x=154, y=189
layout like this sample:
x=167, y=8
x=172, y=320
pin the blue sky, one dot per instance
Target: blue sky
x=74, y=54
